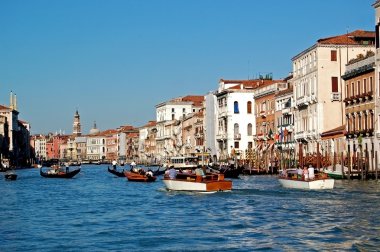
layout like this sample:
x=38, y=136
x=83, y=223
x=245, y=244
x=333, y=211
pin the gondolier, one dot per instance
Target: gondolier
x=114, y=163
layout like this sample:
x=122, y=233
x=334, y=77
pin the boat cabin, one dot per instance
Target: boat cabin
x=183, y=162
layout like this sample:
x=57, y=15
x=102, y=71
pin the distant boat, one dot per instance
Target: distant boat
x=137, y=177
x=337, y=174
x=10, y=175
x=56, y=173
x=117, y=173
x=320, y=181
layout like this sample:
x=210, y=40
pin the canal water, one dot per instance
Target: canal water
x=96, y=211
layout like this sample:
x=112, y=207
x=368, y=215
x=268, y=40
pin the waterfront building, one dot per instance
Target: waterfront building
x=124, y=131
x=77, y=131
x=112, y=140
x=360, y=100
x=132, y=148
x=4, y=137
x=147, y=143
x=168, y=115
x=376, y=5
x=192, y=135
x=81, y=145
x=318, y=86
x=284, y=123
x=40, y=147
x=96, y=145
x=266, y=130
x=231, y=126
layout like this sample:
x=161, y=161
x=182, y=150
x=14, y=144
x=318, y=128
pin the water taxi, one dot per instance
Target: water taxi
x=196, y=182
x=290, y=179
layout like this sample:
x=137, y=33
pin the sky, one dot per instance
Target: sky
x=115, y=60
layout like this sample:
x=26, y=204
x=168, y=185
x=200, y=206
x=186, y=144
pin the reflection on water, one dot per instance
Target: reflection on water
x=97, y=211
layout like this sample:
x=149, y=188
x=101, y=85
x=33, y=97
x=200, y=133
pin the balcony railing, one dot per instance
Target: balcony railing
x=237, y=136
x=335, y=96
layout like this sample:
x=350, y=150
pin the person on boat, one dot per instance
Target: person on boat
x=305, y=173
x=172, y=173
x=299, y=172
x=311, y=172
x=149, y=174
x=284, y=173
x=67, y=167
x=114, y=163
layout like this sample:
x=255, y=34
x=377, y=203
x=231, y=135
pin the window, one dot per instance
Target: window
x=183, y=110
x=365, y=85
x=250, y=145
x=333, y=55
x=236, y=128
x=334, y=84
x=249, y=129
x=236, y=107
x=358, y=88
x=236, y=145
x=172, y=110
x=173, y=117
x=249, y=107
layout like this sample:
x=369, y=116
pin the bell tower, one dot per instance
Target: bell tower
x=76, y=125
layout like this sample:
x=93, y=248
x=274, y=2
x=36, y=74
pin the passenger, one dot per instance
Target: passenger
x=67, y=167
x=172, y=173
x=283, y=173
x=311, y=172
x=305, y=173
x=149, y=174
x=114, y=163
x=299, y=172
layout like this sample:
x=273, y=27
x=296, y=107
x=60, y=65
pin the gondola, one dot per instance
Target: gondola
x=10, y=176
x=59, y=174
x=116, y=173
x=158, y=172
x=136, y=177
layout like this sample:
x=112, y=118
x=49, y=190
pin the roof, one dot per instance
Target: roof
x=196, y=99
x=4, y=107
x=352, y=38
x=339, y=131
x=250, y=84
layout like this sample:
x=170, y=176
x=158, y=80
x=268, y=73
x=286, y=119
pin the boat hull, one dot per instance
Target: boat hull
x=131, y=176
x=317, y=184
x=10, y=176
x=59, y=175
x=116, y=173
x=207, y=186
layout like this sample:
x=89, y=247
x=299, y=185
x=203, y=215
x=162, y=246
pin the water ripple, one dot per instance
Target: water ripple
x=96, y=211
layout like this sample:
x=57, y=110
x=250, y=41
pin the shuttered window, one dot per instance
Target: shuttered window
x=333, y=55
x=334, y=84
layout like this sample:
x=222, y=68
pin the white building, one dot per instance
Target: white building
x=376, y=5
x=318, y=85
x=233, y=117
x=168, y=115
x=40, y=147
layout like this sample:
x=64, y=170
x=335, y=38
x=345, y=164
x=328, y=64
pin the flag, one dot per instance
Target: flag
x=281, y=134
x=270, y=133
x=276, y=137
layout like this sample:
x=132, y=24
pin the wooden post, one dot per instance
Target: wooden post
x=342, y=164
x=349, y=164
x=376, y=165
x=361, y=164
x=318, y=158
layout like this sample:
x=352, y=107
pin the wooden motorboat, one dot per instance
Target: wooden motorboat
x=289, y=179
x=117, y=173
x=58, y=173
x=197, y=182
x=137, y=177
x=158, y=172
x=10, y=176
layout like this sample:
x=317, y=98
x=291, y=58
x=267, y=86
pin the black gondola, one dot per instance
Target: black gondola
x=158, y=172
x=117, y=173
x=59, y=174
x=10, y=176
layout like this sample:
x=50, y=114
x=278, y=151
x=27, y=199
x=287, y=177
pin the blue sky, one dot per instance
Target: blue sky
x=115, y=60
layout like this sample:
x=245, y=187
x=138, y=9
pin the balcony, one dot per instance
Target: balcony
x=237, y=136
x=335, y=96
x=262, y=114
x=286, y=111
x=303, y=101
x=221, y=136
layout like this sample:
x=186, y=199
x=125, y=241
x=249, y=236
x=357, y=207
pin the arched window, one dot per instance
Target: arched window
x=236, y=128
x=249, y=107
x=249, y=129
x=236, y=107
